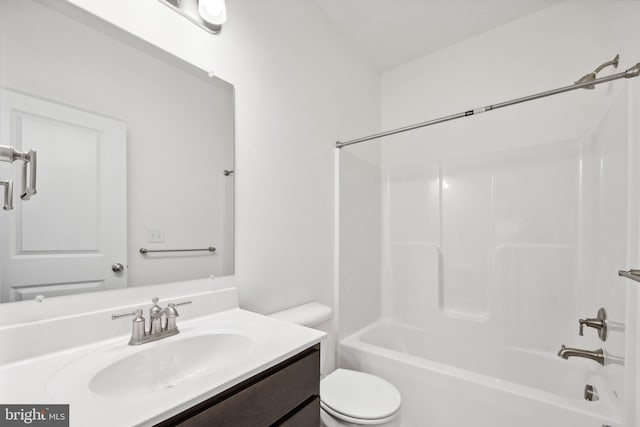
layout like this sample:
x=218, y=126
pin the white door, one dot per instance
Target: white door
x=66, y=238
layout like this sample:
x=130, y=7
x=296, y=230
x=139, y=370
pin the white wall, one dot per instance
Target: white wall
x=298, y=89
x=360, y=255
x=548, y=49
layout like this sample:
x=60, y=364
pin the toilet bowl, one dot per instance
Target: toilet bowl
x=347, y=397
x=355, y=398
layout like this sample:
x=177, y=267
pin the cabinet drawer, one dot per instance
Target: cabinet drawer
x=307, y=416
x=261, y=400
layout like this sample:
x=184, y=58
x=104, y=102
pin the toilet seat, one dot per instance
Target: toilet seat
x=359, y=398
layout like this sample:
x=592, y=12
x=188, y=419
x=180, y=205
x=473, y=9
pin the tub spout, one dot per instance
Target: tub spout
x=596, y=355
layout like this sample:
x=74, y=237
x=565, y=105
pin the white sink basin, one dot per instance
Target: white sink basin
x=169, y=363
x=122, y=370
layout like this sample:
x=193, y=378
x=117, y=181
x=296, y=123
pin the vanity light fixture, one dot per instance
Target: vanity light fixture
x=207, y=14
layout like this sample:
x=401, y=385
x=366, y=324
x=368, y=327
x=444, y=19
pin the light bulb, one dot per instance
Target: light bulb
x=213, y=11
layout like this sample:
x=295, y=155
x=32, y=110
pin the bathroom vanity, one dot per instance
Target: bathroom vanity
x=287, y=394
x=226, y=367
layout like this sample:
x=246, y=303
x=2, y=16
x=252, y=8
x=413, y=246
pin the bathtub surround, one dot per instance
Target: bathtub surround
x=502, y=251
x=513, y=224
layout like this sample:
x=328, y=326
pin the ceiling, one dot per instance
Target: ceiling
x=392, y=32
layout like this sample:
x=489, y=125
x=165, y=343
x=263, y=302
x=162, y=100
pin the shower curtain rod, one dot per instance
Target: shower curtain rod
x=630, y=73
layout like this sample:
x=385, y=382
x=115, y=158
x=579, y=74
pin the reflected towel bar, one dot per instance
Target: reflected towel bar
x=631, y=274
x=145, y=251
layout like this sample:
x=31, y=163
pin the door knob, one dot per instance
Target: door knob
x=117, y=267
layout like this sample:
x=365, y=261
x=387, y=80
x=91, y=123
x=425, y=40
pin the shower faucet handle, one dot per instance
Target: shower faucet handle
x=599, y=323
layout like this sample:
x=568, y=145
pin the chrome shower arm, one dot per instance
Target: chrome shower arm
x=613, y=62
x=592, y=75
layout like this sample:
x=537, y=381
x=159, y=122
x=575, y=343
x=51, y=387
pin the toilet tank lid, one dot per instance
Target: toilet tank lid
x=310, y=314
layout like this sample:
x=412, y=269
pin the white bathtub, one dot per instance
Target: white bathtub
x=468, y=382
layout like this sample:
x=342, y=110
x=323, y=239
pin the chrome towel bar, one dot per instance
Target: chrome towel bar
x=145, y=251
x=631, y=274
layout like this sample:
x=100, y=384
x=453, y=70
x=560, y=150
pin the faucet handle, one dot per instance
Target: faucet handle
x=137, y=332
x=181, y=303
x=171, y=313
x=170, y=310
x=599, y=323
x=137, y=313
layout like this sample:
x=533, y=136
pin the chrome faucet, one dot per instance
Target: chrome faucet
x=599, y=323
x=596, y=355
x=157, y=329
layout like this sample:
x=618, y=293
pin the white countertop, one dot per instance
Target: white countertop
x=62, y=377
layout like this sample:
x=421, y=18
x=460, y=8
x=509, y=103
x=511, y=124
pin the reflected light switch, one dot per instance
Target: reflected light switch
x=155, y=235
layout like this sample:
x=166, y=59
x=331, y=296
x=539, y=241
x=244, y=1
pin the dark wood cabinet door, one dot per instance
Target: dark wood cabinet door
x=307, y=416
x=285, y=394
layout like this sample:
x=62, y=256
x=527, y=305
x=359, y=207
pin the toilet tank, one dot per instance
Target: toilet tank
x=310, y=315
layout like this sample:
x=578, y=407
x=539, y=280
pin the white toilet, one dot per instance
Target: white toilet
x=347, y=398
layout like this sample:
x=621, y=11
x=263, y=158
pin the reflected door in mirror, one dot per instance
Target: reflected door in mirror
x=64, y=239
x=179, y=141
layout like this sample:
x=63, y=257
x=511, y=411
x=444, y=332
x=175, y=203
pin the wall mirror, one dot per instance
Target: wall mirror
x=135, y=149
